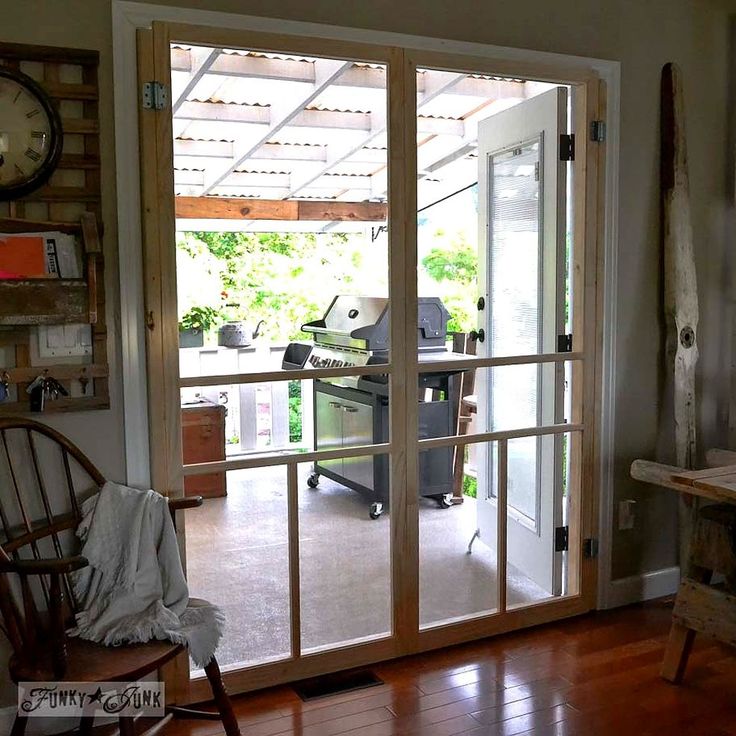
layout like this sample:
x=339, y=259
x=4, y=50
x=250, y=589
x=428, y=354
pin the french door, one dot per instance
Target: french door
x=523, y=237
x=404, y=89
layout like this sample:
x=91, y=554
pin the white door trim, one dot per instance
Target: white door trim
x=127, y=16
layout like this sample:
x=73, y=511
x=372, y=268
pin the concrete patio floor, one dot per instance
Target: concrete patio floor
x=237, y=557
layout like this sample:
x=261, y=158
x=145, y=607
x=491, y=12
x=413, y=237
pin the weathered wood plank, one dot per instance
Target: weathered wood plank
x=80, y=125
x=680, y=280
x=60, y=405
x=238, y=208
x=43, y=302
x=65, y=194
x=62, y=91
x=715, y=457
x=706, y=609
x=681, y=291
x=356, y=211
x=662, y=475
x=57, y=54
x=62, y=372
x=689, y=477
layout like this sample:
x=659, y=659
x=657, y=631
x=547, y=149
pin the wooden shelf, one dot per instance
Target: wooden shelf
x=53, y=301
x=44, y=302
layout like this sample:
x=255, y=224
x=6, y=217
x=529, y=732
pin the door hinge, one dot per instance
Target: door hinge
x=536, y=171
x=590, y=548
x=154, y=96
x=562, y=539
x=598, y=131
x=567, y=147
x=564, y=343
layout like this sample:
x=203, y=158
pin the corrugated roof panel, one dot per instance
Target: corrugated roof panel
x=342, y=119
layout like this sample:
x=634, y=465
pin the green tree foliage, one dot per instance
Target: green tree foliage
x=295, y=411
x=286, y=279
x=452, y=263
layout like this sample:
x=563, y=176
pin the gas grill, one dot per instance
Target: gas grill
x=351, y=411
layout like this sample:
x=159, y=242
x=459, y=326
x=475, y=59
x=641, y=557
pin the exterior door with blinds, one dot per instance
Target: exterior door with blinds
x=522, y=237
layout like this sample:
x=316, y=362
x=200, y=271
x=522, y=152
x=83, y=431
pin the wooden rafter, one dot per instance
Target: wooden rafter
x=366, y=77
x=238, y=208
x=436, y=83
x=326, y=71
x=281, y=152
x=201, y=61
x=214, y=112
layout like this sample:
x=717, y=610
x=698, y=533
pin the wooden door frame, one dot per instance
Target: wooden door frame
x=162, y=336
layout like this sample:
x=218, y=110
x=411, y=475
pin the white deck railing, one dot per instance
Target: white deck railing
x=257, y=413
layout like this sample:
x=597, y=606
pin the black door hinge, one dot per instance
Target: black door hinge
x=562, y=539
x=598, y=131
x=590, y=548
x=567, y=147
x=564, y=343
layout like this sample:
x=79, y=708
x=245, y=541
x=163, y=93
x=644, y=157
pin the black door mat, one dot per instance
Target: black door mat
x=340, y=682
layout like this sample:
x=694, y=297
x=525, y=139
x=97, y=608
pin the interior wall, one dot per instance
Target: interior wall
x=643, y=36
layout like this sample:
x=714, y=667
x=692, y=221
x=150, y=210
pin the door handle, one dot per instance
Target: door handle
x=479, y=335
x=335, y=404
x=349, y=409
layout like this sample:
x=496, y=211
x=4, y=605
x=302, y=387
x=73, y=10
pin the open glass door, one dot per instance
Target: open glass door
x=522, y=235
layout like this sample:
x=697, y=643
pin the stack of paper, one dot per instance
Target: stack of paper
x=39, y=256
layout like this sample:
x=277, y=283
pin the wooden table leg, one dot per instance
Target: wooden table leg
x=677, y=652
x=681, y=639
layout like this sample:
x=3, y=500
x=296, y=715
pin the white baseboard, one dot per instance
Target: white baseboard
x=643, y=587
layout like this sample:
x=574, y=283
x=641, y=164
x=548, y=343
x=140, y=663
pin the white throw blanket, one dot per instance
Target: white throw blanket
x=134, y=588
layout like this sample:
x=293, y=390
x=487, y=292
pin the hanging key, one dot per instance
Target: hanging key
x=36, y=390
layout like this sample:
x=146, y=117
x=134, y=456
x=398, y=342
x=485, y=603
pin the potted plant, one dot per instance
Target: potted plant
x=194, y=324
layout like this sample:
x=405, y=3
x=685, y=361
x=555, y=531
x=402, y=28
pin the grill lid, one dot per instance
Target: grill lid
x=362, y=323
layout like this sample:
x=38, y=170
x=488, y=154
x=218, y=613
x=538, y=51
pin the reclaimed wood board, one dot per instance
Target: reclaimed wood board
x=680, y=282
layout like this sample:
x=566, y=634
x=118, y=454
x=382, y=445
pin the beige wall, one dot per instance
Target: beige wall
x=642, y=35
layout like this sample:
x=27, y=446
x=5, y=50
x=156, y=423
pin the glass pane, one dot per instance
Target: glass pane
x=238, y=558
x=452, y=231
x=458, y=541
x=280, y=175
x=344, y=554
x=515, y=252
x=452, y=583
x=535, y=567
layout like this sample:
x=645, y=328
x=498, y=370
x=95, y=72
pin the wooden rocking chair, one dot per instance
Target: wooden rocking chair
x=44, y=479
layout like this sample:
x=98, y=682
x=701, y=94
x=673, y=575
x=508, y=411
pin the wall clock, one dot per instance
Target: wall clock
x=30, y=135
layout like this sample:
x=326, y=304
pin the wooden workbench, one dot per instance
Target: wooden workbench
x=716, y=484
x=699, y=606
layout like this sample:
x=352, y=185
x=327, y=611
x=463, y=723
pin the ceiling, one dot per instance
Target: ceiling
x=277, y=127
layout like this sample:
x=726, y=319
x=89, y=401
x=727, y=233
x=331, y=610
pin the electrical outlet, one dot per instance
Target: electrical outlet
x=626, y=514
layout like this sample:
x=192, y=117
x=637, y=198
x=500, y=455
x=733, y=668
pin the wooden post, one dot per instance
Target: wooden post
x=680, y=283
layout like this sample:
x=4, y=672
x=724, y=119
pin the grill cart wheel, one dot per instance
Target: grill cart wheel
x=376, y=509
x=313, y=480
x=444, y=500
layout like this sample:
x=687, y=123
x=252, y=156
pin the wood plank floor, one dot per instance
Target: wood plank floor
x=591, y=676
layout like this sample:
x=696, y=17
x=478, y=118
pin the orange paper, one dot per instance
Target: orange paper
x=22, y=257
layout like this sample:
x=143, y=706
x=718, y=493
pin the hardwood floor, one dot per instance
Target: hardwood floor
x=592, y=676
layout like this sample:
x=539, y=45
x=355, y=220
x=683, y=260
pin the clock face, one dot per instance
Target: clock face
x=30, y=135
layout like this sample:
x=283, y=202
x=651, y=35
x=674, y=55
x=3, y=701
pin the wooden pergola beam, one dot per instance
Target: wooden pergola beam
x=239, y=208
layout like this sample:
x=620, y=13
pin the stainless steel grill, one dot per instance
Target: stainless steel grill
x=354, y=410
